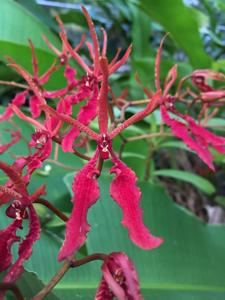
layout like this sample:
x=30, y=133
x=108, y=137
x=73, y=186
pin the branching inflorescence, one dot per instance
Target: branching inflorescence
x=92, y=89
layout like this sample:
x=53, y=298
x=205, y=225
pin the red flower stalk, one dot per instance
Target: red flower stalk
x=119, y=279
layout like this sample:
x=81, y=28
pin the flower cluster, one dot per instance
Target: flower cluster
x=92, y=90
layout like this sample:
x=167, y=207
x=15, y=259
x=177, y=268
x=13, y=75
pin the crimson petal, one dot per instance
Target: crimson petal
x=25, y=247
x=35, y=106
x=18, y=100
x=127, y=195
x=87, y=113
x=69, y=138
x=103, y=292
x=8, y=238
x=86, y=193
x=119, y=279
x=180, y=130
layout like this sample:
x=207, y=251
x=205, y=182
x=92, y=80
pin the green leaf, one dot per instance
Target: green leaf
x=17, y=25
x=140, y=32
x=40, y=12
x=180, y=22
x=216, y=123
x=199, y=182
x=29, y=284
x=220, y=200
x=174, y=144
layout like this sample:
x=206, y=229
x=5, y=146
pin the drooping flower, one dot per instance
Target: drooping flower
x=119, y=279
x=193, y=135
x=20, y=208
x=41, y=140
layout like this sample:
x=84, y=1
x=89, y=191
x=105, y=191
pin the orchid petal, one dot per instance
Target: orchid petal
x=180, y=130
x=210, y=137
x=207, y=73
x=68, y=140
x=114, y=67
x=130, y=275
x=18, y=100
x=86, y=193
x=19, y=184
x=211, y=95
x=113, y=285
x=35, y=106
x=70, y=74
x=124, y=191
x=8, y=238
x=64, y=105
x=35, y=161
x=170, y=79
x=25, y=247
x=103, y=292
x=87, y=113
x=119, y=279
x=157, y=64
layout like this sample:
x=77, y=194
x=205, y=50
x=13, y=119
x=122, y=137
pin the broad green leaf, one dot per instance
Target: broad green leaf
x=219, y=65
x=29, y=284
x=199, y=182
x=17, y=25
x=220, y=200
x=140, y=32
x=39, y=11
x=216, y=123
x=179, y=21
x=174, y=144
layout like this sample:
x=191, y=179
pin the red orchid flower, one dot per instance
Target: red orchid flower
x=123, y=188
x=119, y=279
x=193, y=135
x=199, y=79
x=76, y=90
x=94, y=50
x=88, y=112
x=21, y=208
